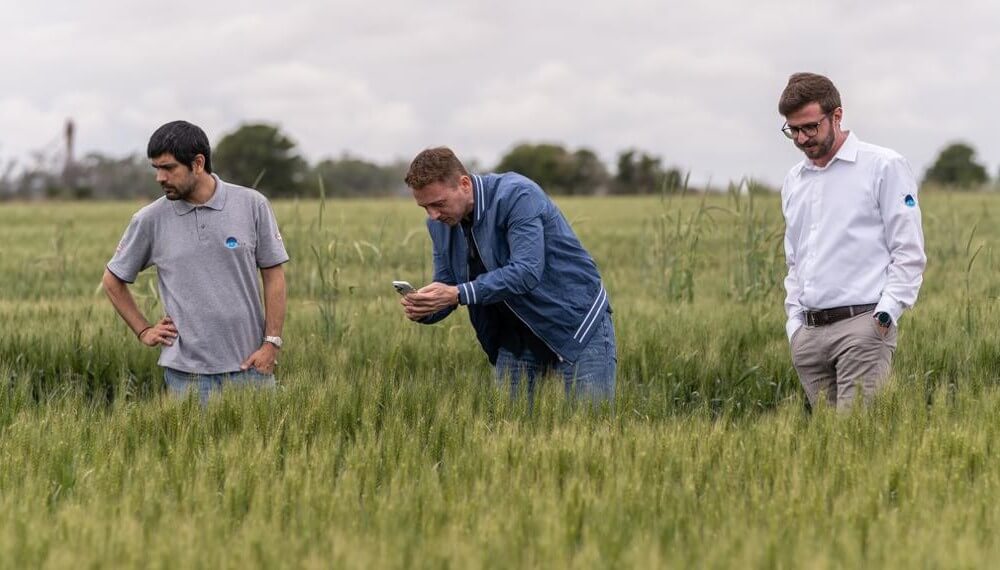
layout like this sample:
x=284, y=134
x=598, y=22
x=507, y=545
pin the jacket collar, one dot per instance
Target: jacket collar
x=479, y=198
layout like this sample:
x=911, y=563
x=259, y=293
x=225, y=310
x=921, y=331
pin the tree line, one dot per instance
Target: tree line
x=262, y=156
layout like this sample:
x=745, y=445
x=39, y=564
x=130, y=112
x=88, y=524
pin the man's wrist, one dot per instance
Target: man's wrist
x=274, y=341
x=455, y=299
x=139, y=334
x=889, y=305
x=466, y=293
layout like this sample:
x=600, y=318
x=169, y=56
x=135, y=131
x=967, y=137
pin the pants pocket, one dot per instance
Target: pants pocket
x=876, y=332
x=795, y=336
x=795, y=345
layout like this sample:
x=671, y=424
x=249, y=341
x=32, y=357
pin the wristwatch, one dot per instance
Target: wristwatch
x=275, y=340
x=883, y=318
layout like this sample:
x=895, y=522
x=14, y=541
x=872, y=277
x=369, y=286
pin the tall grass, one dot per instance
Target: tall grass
x=387, y=444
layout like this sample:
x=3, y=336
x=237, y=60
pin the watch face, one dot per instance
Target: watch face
x=884, y=319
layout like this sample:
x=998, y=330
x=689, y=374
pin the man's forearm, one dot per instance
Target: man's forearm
x=275, y=300
x=123, y=302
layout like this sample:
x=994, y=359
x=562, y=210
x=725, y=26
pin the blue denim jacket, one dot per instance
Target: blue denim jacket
x=535, y=265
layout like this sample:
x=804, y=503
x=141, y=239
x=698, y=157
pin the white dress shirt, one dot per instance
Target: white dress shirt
x=852, y=233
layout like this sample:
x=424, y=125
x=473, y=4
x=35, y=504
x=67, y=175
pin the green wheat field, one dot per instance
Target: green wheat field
x=388, y=446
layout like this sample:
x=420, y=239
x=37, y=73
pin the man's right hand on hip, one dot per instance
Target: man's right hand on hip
x=162, y=333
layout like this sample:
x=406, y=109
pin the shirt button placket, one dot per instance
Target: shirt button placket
x=199, y=220
x=811, y=240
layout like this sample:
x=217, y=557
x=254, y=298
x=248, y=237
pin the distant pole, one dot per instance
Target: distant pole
x=69, y=166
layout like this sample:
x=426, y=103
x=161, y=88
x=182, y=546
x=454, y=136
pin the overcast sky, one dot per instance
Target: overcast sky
x=695, y=82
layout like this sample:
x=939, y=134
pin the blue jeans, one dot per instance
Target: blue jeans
x=591, y=377
x=180, y=384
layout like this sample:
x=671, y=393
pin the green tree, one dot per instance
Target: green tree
x=556, y=169
x=262, y=154
x=590, y=176
x=956, y=166
x=550, y=165
x=352, y=176
x=642, y=173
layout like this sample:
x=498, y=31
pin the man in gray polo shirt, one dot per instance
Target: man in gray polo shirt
x=207, y=239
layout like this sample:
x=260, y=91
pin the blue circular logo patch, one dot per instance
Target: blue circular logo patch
x=232, y=242
x=909, y=201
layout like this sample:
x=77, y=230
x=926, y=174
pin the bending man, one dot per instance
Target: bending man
x=503, y=249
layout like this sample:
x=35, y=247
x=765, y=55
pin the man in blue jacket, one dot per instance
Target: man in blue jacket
x=535, y=297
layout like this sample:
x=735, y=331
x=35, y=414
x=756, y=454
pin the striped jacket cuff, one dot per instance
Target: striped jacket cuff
x=467, y=294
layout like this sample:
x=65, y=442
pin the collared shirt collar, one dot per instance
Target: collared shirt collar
x=848, y=151
x=216, y=202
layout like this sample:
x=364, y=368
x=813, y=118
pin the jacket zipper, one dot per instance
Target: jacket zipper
x=559, y=356
x=554, y=351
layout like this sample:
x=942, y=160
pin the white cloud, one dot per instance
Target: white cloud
x=695, y=82
x=325, y=111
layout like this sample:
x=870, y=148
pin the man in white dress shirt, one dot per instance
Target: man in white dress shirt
x=853, y=244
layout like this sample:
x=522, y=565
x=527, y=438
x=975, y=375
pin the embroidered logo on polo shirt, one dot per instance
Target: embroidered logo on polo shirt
x=232, y=242
x=909, y=200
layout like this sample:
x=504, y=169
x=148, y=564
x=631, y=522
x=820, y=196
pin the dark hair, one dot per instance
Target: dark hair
x=183, y=140
x=434, y=165
x=806, y=88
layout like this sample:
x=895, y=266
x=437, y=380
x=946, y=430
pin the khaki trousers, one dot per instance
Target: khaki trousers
x=837, y=359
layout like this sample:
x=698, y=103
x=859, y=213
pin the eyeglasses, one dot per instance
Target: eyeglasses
x=809, y=130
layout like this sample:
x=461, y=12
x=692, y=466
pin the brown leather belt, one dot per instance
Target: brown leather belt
x=830, y=316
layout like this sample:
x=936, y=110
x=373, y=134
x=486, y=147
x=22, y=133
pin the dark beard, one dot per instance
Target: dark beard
x=178, y=192
x=821, y=149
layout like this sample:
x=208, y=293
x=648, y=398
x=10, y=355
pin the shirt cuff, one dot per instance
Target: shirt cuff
x=467, y=293
x=793, y=325
x=889, y=305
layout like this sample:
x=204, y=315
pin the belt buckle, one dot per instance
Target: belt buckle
x=819, y=318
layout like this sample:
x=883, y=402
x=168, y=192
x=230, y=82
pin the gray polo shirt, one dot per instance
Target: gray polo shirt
x=207, y=260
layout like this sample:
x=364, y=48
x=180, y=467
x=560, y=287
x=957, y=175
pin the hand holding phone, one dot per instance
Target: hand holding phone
x=403, y=287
